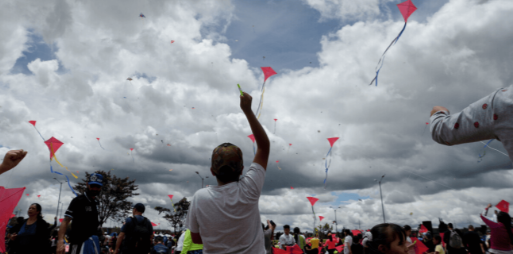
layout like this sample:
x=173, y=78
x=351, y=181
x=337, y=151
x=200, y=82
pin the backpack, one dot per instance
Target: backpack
x=455, y=240
x=138, y=236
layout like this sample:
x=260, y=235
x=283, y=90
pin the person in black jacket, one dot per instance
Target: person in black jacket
x=34, y=234
x=472, y=242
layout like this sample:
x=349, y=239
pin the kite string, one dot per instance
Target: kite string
x=39, y=133
x=328, y=157
x=261, y=99
x=59, y=173
x=382, y=59
x=494, y=149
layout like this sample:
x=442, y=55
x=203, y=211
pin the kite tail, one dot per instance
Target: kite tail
x=327, y=165
x=259, y=109
x=382, y=59
x=55, y=157
x=59, y=173
x=101, y=145
x=484, y=151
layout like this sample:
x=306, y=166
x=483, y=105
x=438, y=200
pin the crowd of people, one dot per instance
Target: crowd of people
x=226, y=218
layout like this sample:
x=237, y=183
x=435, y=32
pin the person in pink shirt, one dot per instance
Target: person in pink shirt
x=501, y=237
x=331, y=243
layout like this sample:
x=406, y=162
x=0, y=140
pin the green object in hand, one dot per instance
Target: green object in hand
x=241, y=94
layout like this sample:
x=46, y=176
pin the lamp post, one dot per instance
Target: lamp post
x=336, y=223
x=59, y=201
x=381, y=194
x=201, y=179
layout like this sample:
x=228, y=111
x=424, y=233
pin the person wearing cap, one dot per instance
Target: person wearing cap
x=225, y=218
x=83, y=211
x=136, y=233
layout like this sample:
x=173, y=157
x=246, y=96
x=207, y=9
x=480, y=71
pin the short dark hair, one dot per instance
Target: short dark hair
x=407, y=227
x=385, y=234
x=286, y=227
x=226, y=175
x=450, y=226
x=470, y=227
x=438, y=238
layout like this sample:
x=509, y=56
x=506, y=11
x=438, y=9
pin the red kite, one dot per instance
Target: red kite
x=170, y=196
x=503, y=206
x=332, y=141
x=9, y=198
x=172, y=41
x=423, y=229
x=290, y=250
x=252, y=137
x=321, y=217
x=153, y=224
x=38, y=196
x=275, y=125
x=131, y=149
x=34, y=124
x=100, y=143
x=268, y=72
x=406, y=8
x=278, y=164
x=27, y=194
x=421, y=247
x=313, y=201
x=291, y=188
x=60, y=220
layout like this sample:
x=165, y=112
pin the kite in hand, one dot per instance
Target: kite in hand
x=252, y=137
x=328, y=157
x=406, y=8
x=268, y=72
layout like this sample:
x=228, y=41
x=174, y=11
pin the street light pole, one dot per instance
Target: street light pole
x=381, y=194
x=201, y=179
x=336, y=223
x=58, y=202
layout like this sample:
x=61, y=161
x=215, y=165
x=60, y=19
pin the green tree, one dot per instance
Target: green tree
x=177, y=215
x=113, y=201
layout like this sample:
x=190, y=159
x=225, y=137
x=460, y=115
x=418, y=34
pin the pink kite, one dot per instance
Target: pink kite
x=38, y=196
x=268, y=72
x=406, y=8
x=503, y=206
x=60, y=220
x=131, y=149
x=252, y=137
x=321, y=217
x=170, y=196
x=275, y=125
x=172, y=41
x=423, y=229
x=27, y=194
x=100, y=143
x=290, y=250
x=312, y=202
x=9, y=198
x=327, y=165
x=53, y=145
x=153, y=224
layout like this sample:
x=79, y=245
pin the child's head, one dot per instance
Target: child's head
x=387, y=239
x=437, y=240
x=227, y=163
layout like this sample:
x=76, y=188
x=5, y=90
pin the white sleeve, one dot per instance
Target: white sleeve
x=192, y=222
x=253, y=182
x=474, y=123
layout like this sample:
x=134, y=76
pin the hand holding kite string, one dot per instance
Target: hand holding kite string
x=12, y=159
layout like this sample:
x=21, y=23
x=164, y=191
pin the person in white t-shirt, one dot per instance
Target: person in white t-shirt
x=348, y=241
x=225, y=218
x=286, y=239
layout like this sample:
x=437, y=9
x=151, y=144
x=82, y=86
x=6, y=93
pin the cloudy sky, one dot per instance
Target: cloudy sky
x=65, y=64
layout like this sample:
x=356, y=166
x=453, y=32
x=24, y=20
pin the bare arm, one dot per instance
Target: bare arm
x=62, y=234
x=263, y=144
x=120, y=240
x=11, y=160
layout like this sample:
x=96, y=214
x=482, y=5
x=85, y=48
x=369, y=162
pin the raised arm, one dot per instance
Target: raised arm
x=474, y=123
x=263, y=144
